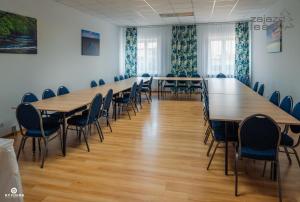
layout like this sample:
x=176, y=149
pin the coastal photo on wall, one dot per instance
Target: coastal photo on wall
x=18, y=34
x=90, y=43
x=274, y=37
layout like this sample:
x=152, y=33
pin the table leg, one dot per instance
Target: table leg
x=33, y=145
x=64, y=135
x=274, y=171
x=115, y=110
x=226, y=149
x=158, y=88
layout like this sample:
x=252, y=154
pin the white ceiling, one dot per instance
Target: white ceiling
x=146, y=12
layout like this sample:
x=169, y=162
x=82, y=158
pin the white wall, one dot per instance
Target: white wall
x=59, y=60
x=279, y=71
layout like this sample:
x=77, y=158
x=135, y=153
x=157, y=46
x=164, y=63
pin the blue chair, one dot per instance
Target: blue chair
x=275, y=98
x=287, y=142
x=93, y=84
x=101, y=82
x=170, y=84
x=139, y=94
x=126, y=76
x=30, y=119
x=182, y=85
x=287, y=104
x=48, y=93
x=62, y=90
x=121, y=77
x=245, y=80
x=259, y=138
x=116, y=78
x=261, y=89
x=128, y=100
x=106, y=106
x=221, y=76
x=147, y=89
x=29, y=98
x=146, y=75
x=83, y=122
x=195, y=84
x=255, y=87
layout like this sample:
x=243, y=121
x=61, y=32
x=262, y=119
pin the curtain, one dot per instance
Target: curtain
x=184, y=49
x=242, y=61
x=154, y=50
x=122, y=45
x=131, y=51
x=216, y=49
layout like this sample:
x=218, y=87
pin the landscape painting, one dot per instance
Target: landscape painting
x=274, y=37
x=18, y=34
x=90, y=43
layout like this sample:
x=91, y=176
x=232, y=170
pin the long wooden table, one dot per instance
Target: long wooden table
x=76, y=99
x=232, y=101
x=161, y=79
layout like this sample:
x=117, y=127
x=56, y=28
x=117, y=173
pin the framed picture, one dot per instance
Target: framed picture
x=274, y=37
x=90, y=43
x=18, y=34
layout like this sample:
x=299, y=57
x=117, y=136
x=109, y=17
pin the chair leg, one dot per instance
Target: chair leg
x=207, y=133
x=128, y=112
x=236, y=174
x=132, y=105
x=297, y=156
x=147, y=97
x=288, y=154
x=99, y=132
x=99, y=129
x=210, y=146
x=212, y=156
x=85, y=139
x=279, y=181
x=45, y=149
x=264, y=170
x=21, y=146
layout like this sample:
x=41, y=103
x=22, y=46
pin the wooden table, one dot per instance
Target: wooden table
x=160, y=80
x=232, y=101
x=74, y=100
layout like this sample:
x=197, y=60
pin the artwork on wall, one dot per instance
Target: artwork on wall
x=90, y=43
x=274, y=37
x=18, y=34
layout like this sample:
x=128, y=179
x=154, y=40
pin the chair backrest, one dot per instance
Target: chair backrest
x=62, y=90
x=95, y=108
x=296, y=114
x=121, y=77
x=101, y=82
x=29, y=97
x=146, y=75
x=195, y=75
x=108, y=99
x=170, y=75
x=28, y=117
x=116, y=78
x=221, y=75
x=255, y=87
x=48, y=93
x=182, y=74
x=260, y=133
x=261, y=89
x=133, y=91
x=150, y=82
x=275, y=98
x=140, y=86
x=287, y=104
x=93, y=84
x=126, y=76
x=245, y=80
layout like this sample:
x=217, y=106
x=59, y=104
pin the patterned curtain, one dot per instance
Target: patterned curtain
x=242, y=50
x=184, y=49
x=131, y=51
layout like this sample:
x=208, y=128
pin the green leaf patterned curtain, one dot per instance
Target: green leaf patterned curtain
x=131, y=51
x=184, y=49
x=242, y=62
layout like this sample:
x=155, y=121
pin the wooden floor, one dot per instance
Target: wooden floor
x=159, y=155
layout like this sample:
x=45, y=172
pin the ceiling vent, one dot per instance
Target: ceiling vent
x=172, y=15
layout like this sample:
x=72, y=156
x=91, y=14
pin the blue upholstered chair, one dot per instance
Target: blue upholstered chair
x=170, y=84
x=128, y=100
x=146, y=75
x=116, y=78
x=261, y=89
x=121, y=77
x=182, y=85
x=245, y=80
x=195, y=84
x=30, y=119
x=62, y=90
x=275, y=98
x=106, y=106
x=101, y=82
x=84, y=121
x=221, y=76
x=287, y=104
x=126, y=76
x=29, y=98
x=287, y=142
x=259, y=138
x=93, y=84
x=48, y=93
x=255, y=87
x=147, y=90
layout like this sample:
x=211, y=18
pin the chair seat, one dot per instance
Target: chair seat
x=145, y=89
x=125, y=99
x=219, y=131
x=78, y=120
x=169, y=86
x=258, y=154
x=50, y=126
x=286, y=140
